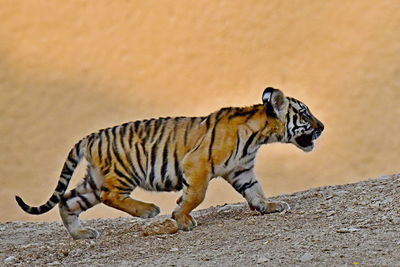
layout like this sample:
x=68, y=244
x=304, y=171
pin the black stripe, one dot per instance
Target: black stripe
x=240, y=113
x=91, y=182
x=123, y=190
x=246, y=186
x=157, y=129
x=237, y=143
x=122, y=129
x=164, y=160
x=61, y=186
x=87, y=203
x=138, y=160
x=72, y=159
x=212, y=140
x=168, y=184
x=162, y=129
x=66, y=171
x=130, y=136
x=118, y=157
x=208, y=121
x=54, y=199
x=133, y=172
x=227, y=161
x=35, y=210
x=108, y=145
x=78, y=148
x=235, y=150
x=178, y=172
x=250, y=159
x=73, y=193
x=99, y=148
x=90, y=143
x=122, y=175
x=247, y=144
x=81, y=206
x=65, y=204
x=96, y=196
x=153, y=152
x=127, y=183
x=237, y=173
x=104, y=189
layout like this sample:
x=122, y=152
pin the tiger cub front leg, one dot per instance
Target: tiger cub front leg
x=192, y=196
x=245, y=182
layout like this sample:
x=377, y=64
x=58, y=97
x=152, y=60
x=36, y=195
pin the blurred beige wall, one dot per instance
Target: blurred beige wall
x=68, y=68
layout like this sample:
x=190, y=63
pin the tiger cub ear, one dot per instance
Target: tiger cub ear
x=276, y=103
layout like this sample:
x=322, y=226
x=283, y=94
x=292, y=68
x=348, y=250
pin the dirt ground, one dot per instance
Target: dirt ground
x=355, y=224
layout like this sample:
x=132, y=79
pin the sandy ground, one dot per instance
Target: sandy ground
x=355, y=224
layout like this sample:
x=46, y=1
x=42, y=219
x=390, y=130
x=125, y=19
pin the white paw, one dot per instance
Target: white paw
x=265, y=207
x=85, y=233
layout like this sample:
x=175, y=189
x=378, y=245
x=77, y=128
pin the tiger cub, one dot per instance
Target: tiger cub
x=183, y=153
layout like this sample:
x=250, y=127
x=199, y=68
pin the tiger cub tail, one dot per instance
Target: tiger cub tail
x=74, y=157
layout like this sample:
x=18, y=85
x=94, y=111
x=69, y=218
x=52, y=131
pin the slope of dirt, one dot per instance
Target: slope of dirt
x=355, y=224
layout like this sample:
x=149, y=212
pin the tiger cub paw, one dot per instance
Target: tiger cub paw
x=85, y=233
x=185, y=221
x=265, y=207
x=150, y=211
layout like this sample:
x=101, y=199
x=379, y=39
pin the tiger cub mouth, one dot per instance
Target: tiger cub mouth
x=305, y=140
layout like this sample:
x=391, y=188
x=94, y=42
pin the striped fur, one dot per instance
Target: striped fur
x=171, y=154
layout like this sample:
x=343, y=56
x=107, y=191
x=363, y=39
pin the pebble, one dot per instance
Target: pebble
x=54, y=263
x=174, y=249
x=330, y=213
x=10, y=260
x=348, y=230
x=262, y=259
x=167, y=226
x=387, y=200
x=306, y=257
x=341, y=193
x=228, y=207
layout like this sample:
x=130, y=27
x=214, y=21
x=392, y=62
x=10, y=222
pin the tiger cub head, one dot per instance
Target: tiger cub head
x=301, y=127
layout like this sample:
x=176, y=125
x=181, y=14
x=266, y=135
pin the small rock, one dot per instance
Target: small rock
x=174, y=249
x=262, y=259
x=10, y=260
x=376, y=204
x=396, y=220
x=347, y=230
x=168, y=226
x=251, y=221
x=330, y=213
x=228, y=207
x=341, y=192
x=387, y=200
x=306, y=257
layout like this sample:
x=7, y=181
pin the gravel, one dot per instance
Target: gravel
x=344, y=225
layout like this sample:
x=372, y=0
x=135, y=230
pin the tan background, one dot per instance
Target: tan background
x=68, y=68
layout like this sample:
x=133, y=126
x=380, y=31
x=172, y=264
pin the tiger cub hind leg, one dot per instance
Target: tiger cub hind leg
x=71, y=205
x=115, y=193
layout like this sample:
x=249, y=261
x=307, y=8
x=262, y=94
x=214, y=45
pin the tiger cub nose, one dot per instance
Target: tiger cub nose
x=321, y=126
